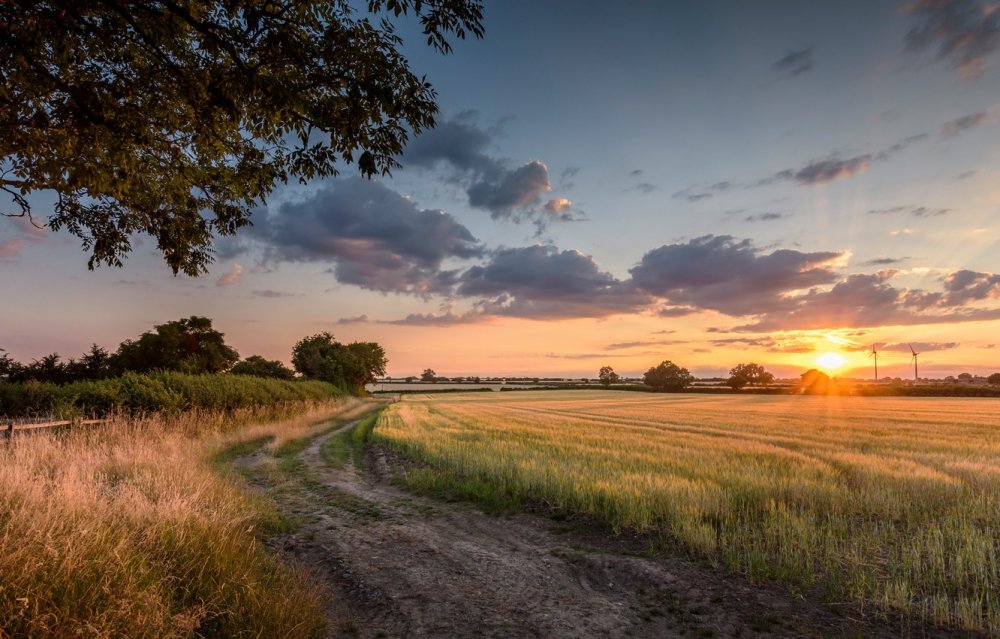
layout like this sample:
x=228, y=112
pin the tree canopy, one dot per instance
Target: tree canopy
x=428, y=375
x=668, y=376
x=188, y=345
x=607, y=376
x=174, y=118
x=257, y=366
x=349, y=366
x=749, y=374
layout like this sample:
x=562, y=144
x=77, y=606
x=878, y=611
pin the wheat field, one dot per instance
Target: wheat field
x=891, y=504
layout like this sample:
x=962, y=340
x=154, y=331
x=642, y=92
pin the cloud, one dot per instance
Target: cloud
x=232, y=277
x=618, y=346
x=884, y=261
x=964, y=32
x=10, y=248
x=862, y=300
x=490, y=184
x=521, y=188
x=766, y=217
x=919, y=347
x=795, y=63
x=358, y=319
x=718, y=272
x=767, y=343
x=642, y=187
x=372, y=236
x=825, y=171
x=544, y=282
x=956, y=126
x=912, y=209
x=558, y=206
x=270, y=293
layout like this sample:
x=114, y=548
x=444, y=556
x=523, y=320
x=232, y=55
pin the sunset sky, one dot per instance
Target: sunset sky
x=619, y=184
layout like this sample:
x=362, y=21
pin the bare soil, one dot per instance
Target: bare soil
x=400, y=565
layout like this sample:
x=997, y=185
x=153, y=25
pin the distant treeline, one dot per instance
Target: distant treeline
x=163, y=391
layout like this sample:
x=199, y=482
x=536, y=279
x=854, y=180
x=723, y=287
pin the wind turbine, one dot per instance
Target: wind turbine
x=915, y=353
x=874, y=354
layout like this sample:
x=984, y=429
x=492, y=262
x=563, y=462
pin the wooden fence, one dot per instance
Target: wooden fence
x=8, y=428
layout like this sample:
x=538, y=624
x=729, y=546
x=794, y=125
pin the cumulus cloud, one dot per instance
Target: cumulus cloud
x=232, y=277
x=559, y=206
x=490, y=183
x=965, y=33
x=871, y=300
x=795, y=63
x=718, y=272
x=542, y=281
x=372, y=236
x=956, y=126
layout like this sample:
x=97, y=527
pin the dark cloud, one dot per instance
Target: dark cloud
x=675, y=311
x=730, y=276
x=358, y=319
x=635, y=173
x=795, y=63
x=619, y=346
x=766, y=217
x=964, y=32
x=439, y=319
x=956, y=126
x=489, y=182
x=870, y=300
x=271, y=293
x=521, y=188
x=642, y=187
x=374, y=238
x=965, y=175
x=884, y=261
x=542, y=281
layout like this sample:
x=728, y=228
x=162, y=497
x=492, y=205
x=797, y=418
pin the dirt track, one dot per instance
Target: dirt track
x=400, y=565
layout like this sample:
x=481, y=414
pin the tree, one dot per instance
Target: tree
x=815, y=381
x=749, y=374
x=349, y=366
x=993, y=379
x=188, y=345
x=667, y=376
x=428, y=375
x=257, y=366
x=607, y=375
x=174, y=118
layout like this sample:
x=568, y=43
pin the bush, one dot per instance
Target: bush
x=156, y=392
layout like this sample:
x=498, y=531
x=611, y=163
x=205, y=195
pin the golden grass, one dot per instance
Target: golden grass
x=128, y=530
x=892, y=503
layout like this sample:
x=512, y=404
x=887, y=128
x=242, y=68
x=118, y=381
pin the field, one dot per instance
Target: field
x=136, y=529
x=888, y=504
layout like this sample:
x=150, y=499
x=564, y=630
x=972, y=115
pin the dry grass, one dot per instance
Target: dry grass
x=891, y=503
x=127, y=530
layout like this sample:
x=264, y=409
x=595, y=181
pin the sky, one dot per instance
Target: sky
x=619, y=184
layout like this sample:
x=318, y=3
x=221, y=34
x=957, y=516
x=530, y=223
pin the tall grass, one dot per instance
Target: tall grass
x=128, y=530
x=892, y=503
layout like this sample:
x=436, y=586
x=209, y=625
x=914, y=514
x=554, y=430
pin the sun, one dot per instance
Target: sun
x=830, y=362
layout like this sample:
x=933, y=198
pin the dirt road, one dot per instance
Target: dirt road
x=400, y=565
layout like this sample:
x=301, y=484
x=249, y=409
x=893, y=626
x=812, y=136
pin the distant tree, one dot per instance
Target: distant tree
x=965, y=377
x=993, y=379
x=815, y=382
x=428, y=375
x=667, y=376
x=257, y=366
x=607, y=375
x=349, y=366
x=176, y=119
x=749, y=375
x=10, y=369
x=188, y=345
x=411, y=379
x=49, y=368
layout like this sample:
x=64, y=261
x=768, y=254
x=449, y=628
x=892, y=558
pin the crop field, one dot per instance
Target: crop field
x=891, y=504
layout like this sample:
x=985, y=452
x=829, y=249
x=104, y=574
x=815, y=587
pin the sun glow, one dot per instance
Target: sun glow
x=831, y=362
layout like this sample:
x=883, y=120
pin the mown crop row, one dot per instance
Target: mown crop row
x=892, y=503
x=155, y=392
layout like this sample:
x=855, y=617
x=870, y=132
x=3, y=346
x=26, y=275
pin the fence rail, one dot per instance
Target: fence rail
x=8, y=428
